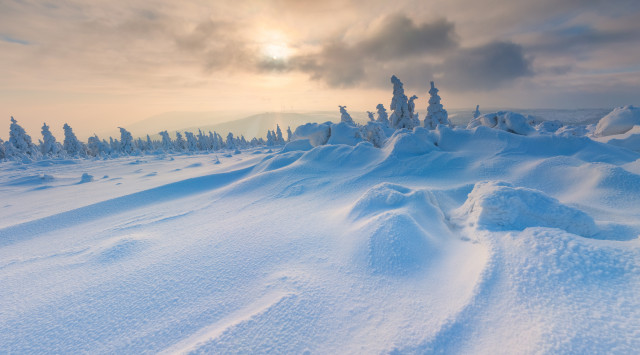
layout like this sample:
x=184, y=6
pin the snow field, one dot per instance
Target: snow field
x=456, y=241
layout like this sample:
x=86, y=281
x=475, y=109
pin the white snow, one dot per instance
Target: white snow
x=618, y=121
x=441, y=241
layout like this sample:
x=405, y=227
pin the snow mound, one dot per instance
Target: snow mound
x=298, y=145
x=316, y=133
x=344, y=133
x=86, y=177
x=629, y=139
x=404, y=229
x=504, y=120
x=406, y=143
x=500, y=206
x=618, y=121
x=549, y=126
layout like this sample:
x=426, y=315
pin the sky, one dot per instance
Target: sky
x=101, y=64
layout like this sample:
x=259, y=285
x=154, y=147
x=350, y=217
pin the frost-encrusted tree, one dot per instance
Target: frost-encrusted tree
x=180, y=142
x=412, y=111
x=192, y=142
x=72, y=145
x=97, y=147
x=289, y=134
x=230, y=144
x=279, y=139
x=126, y=141
x=49, y=146
x=345, y=117
x=476, y=113
x=383, y=117
x=2, y=151
x=400, y=117
x=167, y=144
x=371, y=117
x=271, y=138
x=19, y=143
x=436, y=114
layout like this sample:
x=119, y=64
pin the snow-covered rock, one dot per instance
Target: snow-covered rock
x=316, y=133
x=505, y=120
x=501, y=206
x=618, y=121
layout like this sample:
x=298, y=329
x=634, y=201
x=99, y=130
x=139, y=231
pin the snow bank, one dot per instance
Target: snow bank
x=344, y=133
x=408, y=143
x=316, y=133
x=298, y=144
x=549, y=126
x=505, y=120
x=618, y=121
x=500, y=206
x=629, y=139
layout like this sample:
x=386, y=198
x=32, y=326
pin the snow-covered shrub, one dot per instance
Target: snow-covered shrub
x=289, y=134
x=316, y=133
x=618, y=121
x=374, y=133
x=97, y=147
x=72, y=145
x=436, y=114
x=505, y=120
x=49, y=146
x=2, y=150
x=167, y=144
x=192, y=142
x=230, y=144
x=383, y=117
x=345, y=117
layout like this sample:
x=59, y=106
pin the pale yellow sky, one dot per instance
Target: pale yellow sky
x=102, y=64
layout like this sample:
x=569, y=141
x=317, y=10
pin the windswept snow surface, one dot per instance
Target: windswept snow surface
x=446, y=241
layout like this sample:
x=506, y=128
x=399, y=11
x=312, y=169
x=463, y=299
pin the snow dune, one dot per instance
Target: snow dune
x=455, y=241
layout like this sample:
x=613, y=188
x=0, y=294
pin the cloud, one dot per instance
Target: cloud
x=396, y=40
x=486, y=67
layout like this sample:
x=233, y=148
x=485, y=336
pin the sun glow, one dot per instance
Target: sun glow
x=274, y=46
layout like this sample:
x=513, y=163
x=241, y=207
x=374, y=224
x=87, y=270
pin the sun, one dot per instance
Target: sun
x=274, y=46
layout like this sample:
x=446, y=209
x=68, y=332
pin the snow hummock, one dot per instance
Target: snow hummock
x=501, y=206
x=618, y=121
x=504, y=120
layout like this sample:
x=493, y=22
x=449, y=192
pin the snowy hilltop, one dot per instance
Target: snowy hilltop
x=389, y=236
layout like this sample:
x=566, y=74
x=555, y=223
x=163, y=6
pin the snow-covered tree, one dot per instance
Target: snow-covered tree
x=126, y=141
x=436, y=114
x=149, y=144
x=412, y=111
x=49, y=146
x=180, y=142
x=400, y=117
x=371, y=116
x=476, y=113
x=271, y=138
x=96, y=147
x=19, y=143
x=345, y=117
x=373, y=133
x=289, y=134
x=192, y=142
x=383, y=117
x=2, y=150
x=279, y=139
x=72, y=145
x=167, y=144
x=230, y=144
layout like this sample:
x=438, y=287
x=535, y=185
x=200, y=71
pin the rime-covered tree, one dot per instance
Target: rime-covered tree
x=180, y=142
x=289, y=134
x=412, y=111
x=126, y=141
x=2, y=150
x=192, y=142
x=19, y=143
x=49, y=146
x=271, y=138
x=72, y=145
x=149, y=144
x=383, y=117
x=95, y=146
x=400, y=116
x=476, y=113
x=279, y=138
x=230, y=144
x=371, y=116
x=345, y=117
x=167, y=144
x=436, y=114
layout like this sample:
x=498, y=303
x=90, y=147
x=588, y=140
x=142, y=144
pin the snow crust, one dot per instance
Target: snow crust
x=449, y=240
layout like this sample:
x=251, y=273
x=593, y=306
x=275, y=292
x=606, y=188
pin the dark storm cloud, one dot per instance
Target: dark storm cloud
x=486, y=67
x=397, y=39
